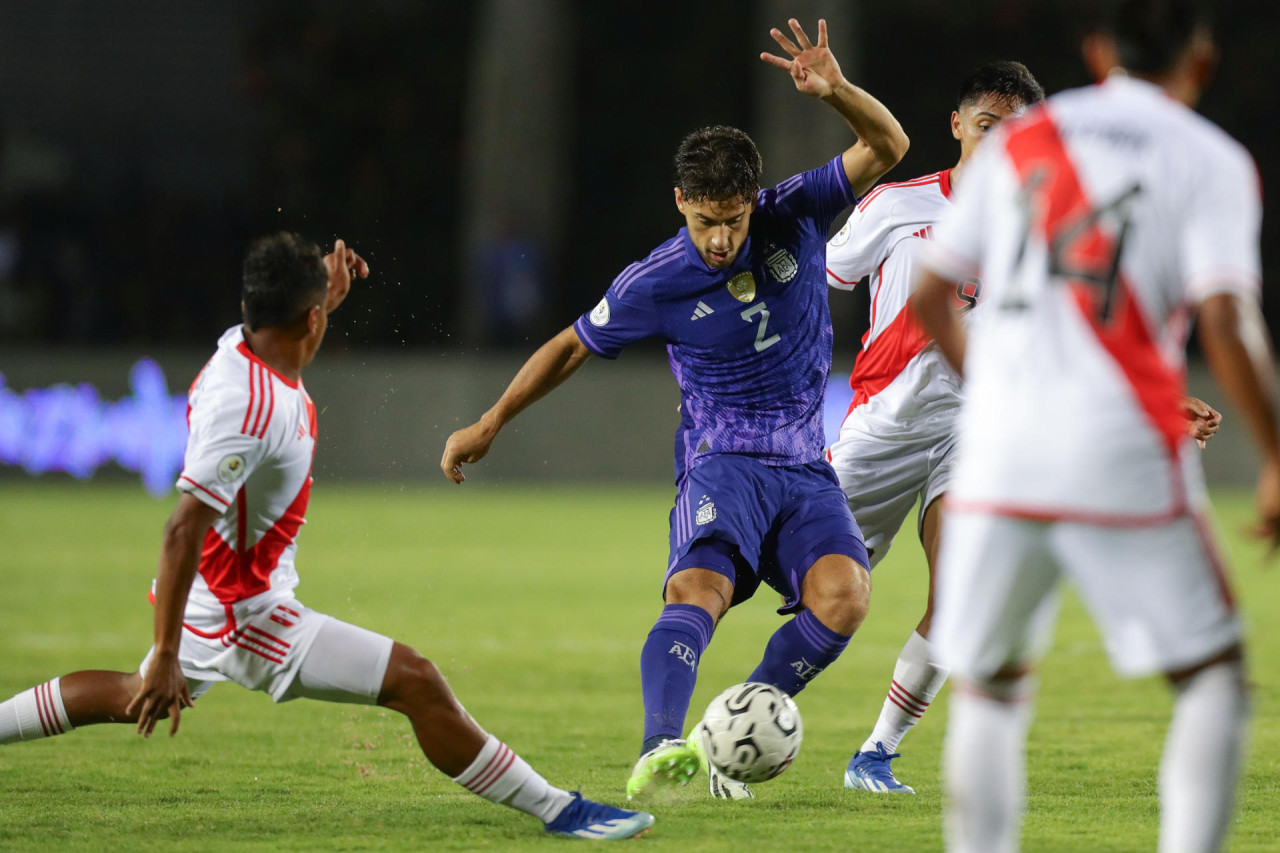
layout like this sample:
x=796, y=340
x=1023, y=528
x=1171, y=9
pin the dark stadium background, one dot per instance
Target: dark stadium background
x=142, y=144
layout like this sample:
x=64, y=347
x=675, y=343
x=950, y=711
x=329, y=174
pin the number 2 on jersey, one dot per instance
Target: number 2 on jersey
x=762, y=343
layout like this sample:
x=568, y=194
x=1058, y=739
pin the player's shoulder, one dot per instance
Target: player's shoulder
x=886, y=199
x=236, y=391
x=661, y=265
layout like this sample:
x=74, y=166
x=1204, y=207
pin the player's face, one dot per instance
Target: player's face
x=717, y=228
x=973, y=121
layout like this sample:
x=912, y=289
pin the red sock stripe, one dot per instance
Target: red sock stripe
x=904, y=700
x=492, y=772
x=45, y=701
x=44, y=723
x=284, y=647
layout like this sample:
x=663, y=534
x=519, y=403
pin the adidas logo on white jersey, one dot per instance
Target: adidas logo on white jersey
x=701, y=311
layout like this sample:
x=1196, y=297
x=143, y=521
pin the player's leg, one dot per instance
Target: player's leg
x=996, y=607
x=917, y=678
x=821, y=569
x=1163, y=603
x=836, y=592
x=68, y=702
x=346, y=663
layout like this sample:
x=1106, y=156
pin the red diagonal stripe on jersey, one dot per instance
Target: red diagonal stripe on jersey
x=240, y=572
x=1036, y=149
x=886, y=356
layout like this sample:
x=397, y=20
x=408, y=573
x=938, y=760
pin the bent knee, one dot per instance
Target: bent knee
x=839, y=595
x=703, y=588
x=410, y=676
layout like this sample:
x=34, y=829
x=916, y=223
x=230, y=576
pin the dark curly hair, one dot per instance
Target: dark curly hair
x=718, y=164
x=283, y=277
x=1006, y=80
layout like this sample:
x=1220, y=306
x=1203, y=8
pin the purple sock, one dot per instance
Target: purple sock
x=797, y=652
x=669, y=668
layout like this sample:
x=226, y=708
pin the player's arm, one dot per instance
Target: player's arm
x=342, y=264
x=1239, y=351
x=164, y=689
x=553, y=363
x=932, y=303
x=813, y=68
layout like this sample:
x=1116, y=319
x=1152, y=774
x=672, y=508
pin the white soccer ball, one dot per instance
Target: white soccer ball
x=753, y=732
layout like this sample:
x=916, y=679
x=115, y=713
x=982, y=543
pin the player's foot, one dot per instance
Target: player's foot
x=722, y=787
x=671, y=762
x=583, y=818
x=870, y=771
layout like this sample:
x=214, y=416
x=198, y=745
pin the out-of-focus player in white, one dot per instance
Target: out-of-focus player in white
x=896, y=443
x=1100, y=223
x=223, y=594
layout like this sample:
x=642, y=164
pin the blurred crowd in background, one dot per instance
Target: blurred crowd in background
x=142, y=146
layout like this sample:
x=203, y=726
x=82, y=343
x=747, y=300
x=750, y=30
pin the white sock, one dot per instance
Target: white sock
x=1201, y=763
x=34, y=714
x=501, y=776
x=984, y=769
x=916, y=680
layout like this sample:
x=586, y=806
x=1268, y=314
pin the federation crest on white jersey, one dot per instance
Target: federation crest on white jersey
x=753, y=732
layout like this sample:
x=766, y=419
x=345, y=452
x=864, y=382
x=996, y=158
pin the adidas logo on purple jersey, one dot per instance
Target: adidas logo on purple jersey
x=701, y=311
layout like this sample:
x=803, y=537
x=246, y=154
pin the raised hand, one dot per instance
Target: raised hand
x=342, y=264
x=813, y=68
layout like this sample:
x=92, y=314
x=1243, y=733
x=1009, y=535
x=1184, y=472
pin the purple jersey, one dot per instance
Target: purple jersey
x=750, y=345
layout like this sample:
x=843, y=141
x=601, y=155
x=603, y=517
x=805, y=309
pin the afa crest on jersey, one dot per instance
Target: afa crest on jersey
x=782, y=265
x=743, y=287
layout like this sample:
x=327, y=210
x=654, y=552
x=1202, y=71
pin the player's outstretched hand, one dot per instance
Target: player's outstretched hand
x=342, y=264
x=164, y=689
x=813, y=68
x=1203, y=420
x=466, y=445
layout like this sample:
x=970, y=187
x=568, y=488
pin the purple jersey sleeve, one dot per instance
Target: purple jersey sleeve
x=818, y=195
x=625, y=314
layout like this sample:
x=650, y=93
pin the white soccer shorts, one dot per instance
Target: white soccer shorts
x=286, y=650
x=1159, y=595
x=882, y=480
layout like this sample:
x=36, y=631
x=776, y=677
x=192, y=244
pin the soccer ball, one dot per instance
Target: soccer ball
x=753, y=732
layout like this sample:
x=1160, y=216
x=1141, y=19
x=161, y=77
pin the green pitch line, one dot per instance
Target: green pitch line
x=534, y=603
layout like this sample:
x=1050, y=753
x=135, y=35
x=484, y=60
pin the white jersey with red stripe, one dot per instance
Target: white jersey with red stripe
x=1097, y=223
x=252, y=439
x=902, y=386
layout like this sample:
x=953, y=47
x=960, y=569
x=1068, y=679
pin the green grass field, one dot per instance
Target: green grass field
x=534, y=602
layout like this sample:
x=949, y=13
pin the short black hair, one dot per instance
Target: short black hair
x=283, y=277
x=718, y=164
x=1006, y=80
x=1150, y=35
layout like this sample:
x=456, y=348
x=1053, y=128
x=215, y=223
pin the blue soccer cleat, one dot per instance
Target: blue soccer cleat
x=583, y=818
x=870, y=771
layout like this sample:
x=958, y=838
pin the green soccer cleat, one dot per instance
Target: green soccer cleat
x=721, y=786
x=671, y=762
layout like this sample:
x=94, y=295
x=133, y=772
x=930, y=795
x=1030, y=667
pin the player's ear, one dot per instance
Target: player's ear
x=315, y=319
x=955, y=124
x=679, y=200
x=1202, y=59
x=1100, y=56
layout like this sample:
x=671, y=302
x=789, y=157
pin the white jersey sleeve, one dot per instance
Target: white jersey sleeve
x=223, y=448
x=858, y=247
x=1220, y=235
